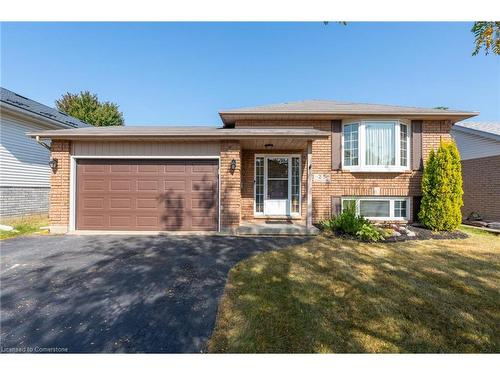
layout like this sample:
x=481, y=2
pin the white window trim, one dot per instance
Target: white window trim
x=289, y=156
x=361, y=167
x=391, y=206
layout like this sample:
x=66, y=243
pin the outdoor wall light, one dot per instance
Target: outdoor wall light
x=268, y=146
x=233, y=165
x=53, y=164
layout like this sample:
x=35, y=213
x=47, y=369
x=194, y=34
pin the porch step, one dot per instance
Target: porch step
x=275, y=229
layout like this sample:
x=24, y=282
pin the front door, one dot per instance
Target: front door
x=277, y=197
x=277, y=185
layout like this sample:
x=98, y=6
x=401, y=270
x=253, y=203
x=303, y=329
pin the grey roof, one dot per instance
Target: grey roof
x=489, y=130
x=334, y=106
x=26, y=105
x=317, y=107
x=179, y=133
x=490, y=127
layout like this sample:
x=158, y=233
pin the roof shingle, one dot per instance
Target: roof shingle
x=29, y=106
x=490, y=127
x=334, y=107
x=179, y=133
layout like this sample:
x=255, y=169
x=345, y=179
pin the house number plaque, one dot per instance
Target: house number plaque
x=321, y=177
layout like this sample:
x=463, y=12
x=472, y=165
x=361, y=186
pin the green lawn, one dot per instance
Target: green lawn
x=24, y=226
x=331, y=295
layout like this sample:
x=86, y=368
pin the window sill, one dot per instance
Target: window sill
x=376, y=169
x=388, y=219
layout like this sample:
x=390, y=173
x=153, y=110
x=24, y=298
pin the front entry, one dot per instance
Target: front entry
x=277, y=185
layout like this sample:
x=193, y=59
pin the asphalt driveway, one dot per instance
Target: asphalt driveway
x=117, y=293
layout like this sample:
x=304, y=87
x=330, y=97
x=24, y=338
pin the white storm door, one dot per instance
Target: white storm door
x=277, y=186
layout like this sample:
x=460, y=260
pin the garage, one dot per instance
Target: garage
x=142, y=195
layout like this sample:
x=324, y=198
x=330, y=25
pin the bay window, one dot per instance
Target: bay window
x=351, y=144
x=375, y=146
x=403, y=146
x=380, y=208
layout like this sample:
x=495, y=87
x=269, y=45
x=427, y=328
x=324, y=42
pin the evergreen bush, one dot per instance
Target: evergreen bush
x=442, y=189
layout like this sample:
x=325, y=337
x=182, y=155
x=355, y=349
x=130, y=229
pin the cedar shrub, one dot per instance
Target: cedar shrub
x=442, y=189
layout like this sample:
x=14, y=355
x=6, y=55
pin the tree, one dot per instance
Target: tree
x=87, y=107
x=442, y=189
x=487, y=36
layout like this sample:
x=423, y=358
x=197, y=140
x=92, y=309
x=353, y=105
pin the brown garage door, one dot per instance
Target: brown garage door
x=147, y=194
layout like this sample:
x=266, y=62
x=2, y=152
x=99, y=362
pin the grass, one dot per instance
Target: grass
x=24, y=226
x=333, y=295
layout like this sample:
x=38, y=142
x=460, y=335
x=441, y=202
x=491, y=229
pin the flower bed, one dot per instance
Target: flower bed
x=420, y=233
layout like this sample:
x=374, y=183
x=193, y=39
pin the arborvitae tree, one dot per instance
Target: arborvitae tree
x=442, y=189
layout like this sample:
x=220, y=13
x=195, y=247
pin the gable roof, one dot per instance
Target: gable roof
x=489, y=129
x=21, y=104
x=334, y=107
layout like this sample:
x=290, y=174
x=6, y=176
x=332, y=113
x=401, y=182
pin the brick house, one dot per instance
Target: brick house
x=24, y=170
x=479, y=146
x=295, y=162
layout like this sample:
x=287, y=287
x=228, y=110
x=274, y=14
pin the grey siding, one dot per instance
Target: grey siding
x=148, y=149
x=20, y=201
x=473, y=146
x=23, y=162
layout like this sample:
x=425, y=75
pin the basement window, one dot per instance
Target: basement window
x=380, y=208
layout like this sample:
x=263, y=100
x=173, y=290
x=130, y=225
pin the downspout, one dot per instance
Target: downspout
x=42, y=143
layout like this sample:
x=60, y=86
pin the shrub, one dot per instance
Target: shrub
x=348, y=222
x=327, y=225
x=442, y=189
x=370, y=233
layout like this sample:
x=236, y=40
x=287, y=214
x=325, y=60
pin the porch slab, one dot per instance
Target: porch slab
x=276, y=228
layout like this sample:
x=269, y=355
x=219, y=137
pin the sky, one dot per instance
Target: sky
x=184, y=73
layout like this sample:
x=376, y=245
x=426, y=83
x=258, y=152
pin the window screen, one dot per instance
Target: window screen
x=374, y=208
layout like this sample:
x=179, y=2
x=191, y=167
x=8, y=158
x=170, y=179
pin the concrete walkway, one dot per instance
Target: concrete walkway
x=276, y=228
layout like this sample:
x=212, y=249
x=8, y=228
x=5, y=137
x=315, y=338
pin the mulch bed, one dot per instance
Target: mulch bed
x=420, y=234
x=427, y=234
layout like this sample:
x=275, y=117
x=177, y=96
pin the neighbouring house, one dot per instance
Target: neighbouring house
x=289, y=163
x=479, y=146
x=24, y=169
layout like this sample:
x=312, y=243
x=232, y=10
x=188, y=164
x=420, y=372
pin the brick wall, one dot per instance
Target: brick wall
x=59, y=182
x=432, y=134
x=18, y=201
x=481, y=184
x=344, y=183
x=230, y=184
